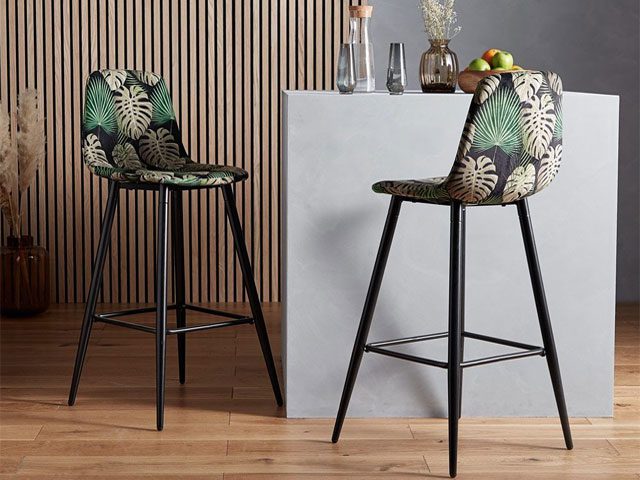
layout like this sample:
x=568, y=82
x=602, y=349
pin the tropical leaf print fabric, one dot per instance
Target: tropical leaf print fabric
x=130, y=133
x=511, y=145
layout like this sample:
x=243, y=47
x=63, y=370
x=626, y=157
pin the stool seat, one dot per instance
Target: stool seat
x=187, y=173
x=429, y=190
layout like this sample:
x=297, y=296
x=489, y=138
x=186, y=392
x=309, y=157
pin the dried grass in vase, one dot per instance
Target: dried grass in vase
x=440, y=19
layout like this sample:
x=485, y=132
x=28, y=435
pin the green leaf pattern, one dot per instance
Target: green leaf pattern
x=99, y=107
x=130, y=133
x=510, y=148
x=498, y=122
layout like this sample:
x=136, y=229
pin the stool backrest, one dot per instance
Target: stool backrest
x=129, y=124
x=511, y=145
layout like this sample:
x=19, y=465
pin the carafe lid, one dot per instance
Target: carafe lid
x=360, y=11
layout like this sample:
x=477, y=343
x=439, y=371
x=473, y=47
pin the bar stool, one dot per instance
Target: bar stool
x=132, y=139
x=510, y=149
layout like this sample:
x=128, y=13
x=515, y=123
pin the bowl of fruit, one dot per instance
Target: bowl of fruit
x=492, y=61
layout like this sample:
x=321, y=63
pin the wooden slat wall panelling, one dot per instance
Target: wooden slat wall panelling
x=225, y=63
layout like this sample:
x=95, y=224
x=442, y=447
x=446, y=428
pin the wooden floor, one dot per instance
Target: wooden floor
x=223, y=424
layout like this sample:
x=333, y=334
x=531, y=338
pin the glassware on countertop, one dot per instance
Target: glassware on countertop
x=359, y=37
x=346, y=71
x=439, y=68
x=397, y=71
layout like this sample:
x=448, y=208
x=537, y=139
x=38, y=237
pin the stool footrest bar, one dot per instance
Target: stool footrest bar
x=526, y=350
x=211, y=311
x=121, y=323
x=132, y=311
x=209, y=326
x=500, y=341
x=502, y=358
x=405, y=356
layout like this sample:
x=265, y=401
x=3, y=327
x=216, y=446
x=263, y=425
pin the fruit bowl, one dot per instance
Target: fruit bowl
x=468, y=79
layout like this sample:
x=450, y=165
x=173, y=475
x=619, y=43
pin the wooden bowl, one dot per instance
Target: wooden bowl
x=468, y=79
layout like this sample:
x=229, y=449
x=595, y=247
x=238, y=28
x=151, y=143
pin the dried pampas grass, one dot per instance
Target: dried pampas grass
x=8, y=173
x=30, y=138
x=20, y=158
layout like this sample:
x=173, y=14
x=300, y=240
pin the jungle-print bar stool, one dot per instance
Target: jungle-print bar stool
x=131, y=138
x=510, y=149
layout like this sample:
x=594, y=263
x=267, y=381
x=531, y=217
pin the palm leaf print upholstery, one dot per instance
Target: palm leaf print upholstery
x=130, y=134
x=511, y=144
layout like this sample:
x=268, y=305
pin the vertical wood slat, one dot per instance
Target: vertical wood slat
x=225, y=64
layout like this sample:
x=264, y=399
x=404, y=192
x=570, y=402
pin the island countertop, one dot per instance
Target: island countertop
x=334, y=148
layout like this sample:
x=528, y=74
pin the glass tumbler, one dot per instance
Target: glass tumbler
x=346, y=71
x=397, y=71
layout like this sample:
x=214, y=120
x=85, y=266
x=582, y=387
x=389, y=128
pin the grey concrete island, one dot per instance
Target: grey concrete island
x=334, y=148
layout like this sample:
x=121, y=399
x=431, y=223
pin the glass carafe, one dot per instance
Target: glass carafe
x=359, y=37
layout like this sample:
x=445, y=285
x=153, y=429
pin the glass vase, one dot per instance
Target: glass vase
x=439, y=68
x=24, y=277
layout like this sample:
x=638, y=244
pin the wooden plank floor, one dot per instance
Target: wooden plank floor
x=223, y=424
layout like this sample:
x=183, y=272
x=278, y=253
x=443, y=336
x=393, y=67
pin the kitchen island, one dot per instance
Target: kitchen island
x=334, y=148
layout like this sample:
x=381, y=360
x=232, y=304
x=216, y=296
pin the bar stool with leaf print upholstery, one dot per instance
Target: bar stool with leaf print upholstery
x=510, y=149
x=131, y=139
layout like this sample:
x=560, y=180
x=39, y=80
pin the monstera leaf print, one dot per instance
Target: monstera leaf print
x=162, y=107
x=125, y=156
x=466, y=140
x=157, y=177
x=159, y=149
x=538, y=124
x=498, y=122
x=93, y=153
x=99, y=108
x=134, y=110
x=549, y=166
x=149, y=78
x=527, y=84
x=520, y=183
x=555, y=82
x=115, y=78
x=472, y=179
x=486, y=87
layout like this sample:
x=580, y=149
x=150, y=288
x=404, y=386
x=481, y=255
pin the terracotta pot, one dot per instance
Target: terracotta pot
x=24, y=277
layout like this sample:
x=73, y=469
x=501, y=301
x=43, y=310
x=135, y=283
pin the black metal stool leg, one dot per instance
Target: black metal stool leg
x=177, y=232
x=94, y=289
x=543, y=317
x=250, y=287
x=161, y=301
x=463, y=235
x=367, y=312
x=456, y=295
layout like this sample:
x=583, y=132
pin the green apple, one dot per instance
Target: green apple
x=479, y=65
x=502, y=60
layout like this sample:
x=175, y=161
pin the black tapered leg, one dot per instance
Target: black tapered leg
x=250, y=287
x=456, y=303
x=367, y=313
x=463, y=235
x=177, y=232
x=543, y=317
x=94, y=289
x=161, y=301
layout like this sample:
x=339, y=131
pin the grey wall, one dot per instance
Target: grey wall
x=592, y=44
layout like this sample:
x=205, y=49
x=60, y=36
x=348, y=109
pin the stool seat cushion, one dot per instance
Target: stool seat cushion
x=187, y=174
x=430, y=190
